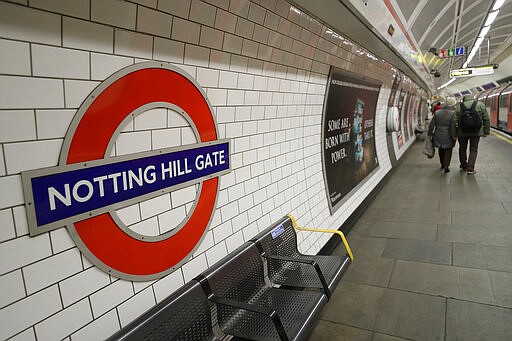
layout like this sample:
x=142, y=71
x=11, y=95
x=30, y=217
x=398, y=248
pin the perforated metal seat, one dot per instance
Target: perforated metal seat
x=288, y=267
x=185, y=316
x=248, y=308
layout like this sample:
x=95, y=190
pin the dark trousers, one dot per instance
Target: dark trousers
x=445, y=157
x=466, y=162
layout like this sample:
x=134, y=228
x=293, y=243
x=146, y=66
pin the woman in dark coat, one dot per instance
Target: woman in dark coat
x=439, y=128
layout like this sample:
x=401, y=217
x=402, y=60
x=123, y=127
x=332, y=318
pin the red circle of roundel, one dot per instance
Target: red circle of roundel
x=101, y=236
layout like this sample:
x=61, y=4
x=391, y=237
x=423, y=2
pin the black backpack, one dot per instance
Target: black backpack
x=470, y=121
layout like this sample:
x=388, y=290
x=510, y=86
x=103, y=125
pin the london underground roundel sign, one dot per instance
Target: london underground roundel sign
x=89, y=185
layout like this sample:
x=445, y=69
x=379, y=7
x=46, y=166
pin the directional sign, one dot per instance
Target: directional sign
x=452, y=52
x=474, y=71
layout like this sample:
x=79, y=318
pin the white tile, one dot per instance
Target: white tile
x=188, y=136
x=219, y=59
x=234, y=241
x=7, y=230
x=202, y=12
x=31, y=155
x=176, y=119
x=235, y=97
x=207, y=77
x=136, y=306
x=100, y=329
x=232, y=43
x=228, y=79
x=211, y=38
x=27, y=335
x=245, y=81
x=147, y=227
x=217, y=97
x=17, y=125
x=77, y=8
x=23, y=23
x=59, y=62
x=111, y=296
x=20, y=220
x=12, y=186
x=185, y=31
x=180, y=8
x=239, y=63
x=166, y=138
x=64, y=322
x=171, y=219
x=196, y=55
x=206, y=243
x=85, y=35
x=168, y=50
x=77, y=92
x=29, y=311
x=183, y=196
x=53, y=123
x=224, y=4
x=51, y=270
x=244, y=28
x=129, y=215
x=152, y=119
x=239, y=222
x=155, y=206
x=229, y=211
x=133, y=44
x=250, y=48
x=12, y=288
x=256, y=13
x=25, y=92
x=168, y=284
x=216, y=253
x=82, y=284
x=194, y=267
x=2, y=163
x=61, y=240
x=153, y=22
x=240, y=8
x=15, y=58
x=103, y=65
x=115, y=13
x=222, y=231
x=128, y=143
x=22, y=251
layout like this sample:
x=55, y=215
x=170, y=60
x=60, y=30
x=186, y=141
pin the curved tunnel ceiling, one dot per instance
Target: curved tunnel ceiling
x=427, y=24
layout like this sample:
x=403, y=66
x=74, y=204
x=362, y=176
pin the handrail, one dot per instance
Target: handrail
x=345, y=243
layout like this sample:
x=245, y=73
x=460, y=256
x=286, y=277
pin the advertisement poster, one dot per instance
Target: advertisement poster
x=399, y=137
x=405, y=116
x=348, y=136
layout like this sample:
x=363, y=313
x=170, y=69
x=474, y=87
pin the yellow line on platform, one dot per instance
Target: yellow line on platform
x=501, y=137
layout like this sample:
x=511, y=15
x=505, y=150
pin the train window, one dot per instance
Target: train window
x=503, y=104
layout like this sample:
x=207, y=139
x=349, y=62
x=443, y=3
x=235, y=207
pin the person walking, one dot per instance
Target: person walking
x=439, y=128
x=467, y=136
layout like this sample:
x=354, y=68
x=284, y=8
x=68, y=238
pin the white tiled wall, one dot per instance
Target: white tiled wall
x=263, y=66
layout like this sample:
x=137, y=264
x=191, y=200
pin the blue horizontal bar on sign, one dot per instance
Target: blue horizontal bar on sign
x=64, y=194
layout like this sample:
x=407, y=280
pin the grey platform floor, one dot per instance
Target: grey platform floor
x=433, y=255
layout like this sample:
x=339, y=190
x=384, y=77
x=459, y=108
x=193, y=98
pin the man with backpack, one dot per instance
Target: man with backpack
x=470, y=123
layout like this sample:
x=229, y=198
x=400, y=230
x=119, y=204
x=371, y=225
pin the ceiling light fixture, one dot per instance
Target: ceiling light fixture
x=498, y=4
x=491, y=17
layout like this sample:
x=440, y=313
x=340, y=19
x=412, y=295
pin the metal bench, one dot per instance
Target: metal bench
x=184, y=315
x=249, y=307
x=288, y=267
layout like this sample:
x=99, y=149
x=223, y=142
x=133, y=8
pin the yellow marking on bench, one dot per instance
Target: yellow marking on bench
x=347, y=247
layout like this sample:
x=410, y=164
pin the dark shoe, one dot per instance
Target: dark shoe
x=462, y=168
x=446, y=170
x=471, y=172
